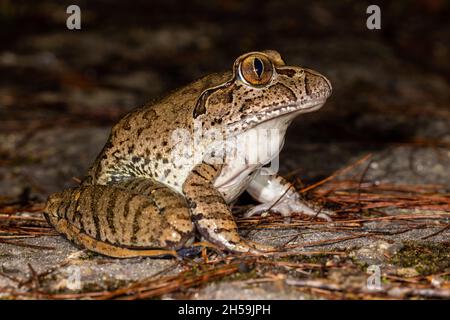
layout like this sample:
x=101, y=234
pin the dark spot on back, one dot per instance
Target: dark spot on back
x=135, y=159
x=126, y=123
x=150, y=115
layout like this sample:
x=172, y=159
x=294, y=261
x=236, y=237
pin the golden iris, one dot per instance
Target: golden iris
x=256, y=69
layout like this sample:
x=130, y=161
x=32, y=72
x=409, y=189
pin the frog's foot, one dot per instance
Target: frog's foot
x=222, y=233
x=255, y=248
x=288, y=206
x=242, y=246
x=260, y=248
x=277, y=194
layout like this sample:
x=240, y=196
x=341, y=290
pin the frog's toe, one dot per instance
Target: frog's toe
x=261, y=208
x=300, y=207
x=246, y=246
x=286, y=208
x=262, y=248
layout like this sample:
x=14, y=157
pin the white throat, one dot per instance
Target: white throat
x=253, y=149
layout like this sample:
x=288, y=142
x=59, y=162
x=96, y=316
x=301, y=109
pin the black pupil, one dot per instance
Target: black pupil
x=258, y=67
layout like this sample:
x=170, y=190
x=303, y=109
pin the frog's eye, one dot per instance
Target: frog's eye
x=256, y=70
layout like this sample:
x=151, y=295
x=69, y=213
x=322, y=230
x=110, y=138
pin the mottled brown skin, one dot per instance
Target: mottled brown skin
x=126, y=219
x=136, y=200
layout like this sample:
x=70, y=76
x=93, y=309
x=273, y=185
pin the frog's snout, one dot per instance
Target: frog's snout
x=317, y=86
x=328, y=83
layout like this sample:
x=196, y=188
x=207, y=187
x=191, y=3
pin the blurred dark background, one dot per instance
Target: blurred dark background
x=61, y=90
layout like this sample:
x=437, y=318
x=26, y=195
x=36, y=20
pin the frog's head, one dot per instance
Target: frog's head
x=261, y=88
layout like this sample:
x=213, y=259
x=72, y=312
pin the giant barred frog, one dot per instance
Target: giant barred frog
x=143, y=197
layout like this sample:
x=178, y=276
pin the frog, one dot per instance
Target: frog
x=170, y=170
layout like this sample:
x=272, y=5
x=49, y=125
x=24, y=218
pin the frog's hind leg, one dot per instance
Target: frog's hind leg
x=74, y=234
x=120, y=220
x=211, y=214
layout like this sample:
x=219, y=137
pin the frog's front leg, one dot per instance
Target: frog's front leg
x=277, y=194
x=210, y=213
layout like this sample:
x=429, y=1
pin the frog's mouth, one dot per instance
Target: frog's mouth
x=288, y=111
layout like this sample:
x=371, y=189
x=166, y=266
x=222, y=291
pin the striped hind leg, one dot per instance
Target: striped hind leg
x=211, y=214
x=82, y=239
x=132, y=218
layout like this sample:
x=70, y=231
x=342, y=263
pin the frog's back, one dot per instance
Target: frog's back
x=140, y=143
